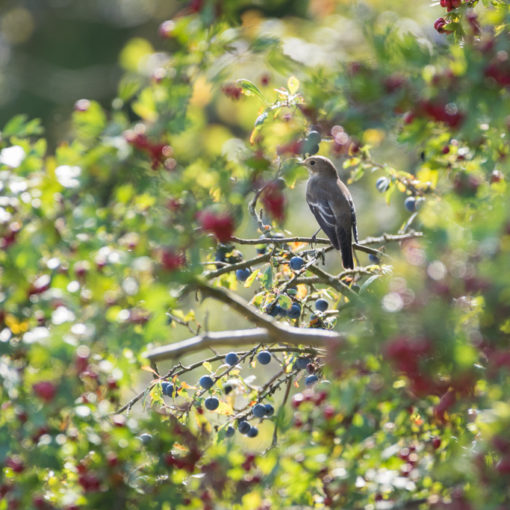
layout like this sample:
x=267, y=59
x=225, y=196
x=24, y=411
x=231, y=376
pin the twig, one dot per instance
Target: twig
x=239, y=265
x=386, y=238
x=282, y=405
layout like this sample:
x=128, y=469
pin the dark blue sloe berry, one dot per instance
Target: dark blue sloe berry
x=382, y=184
x=145, y=438
x=167, y=389
x=231, y=359
x=311, y=379
x=242, y=274
x=269, y=410
x=206, y=382
x=302, y=362
x=296, y=263
x=321, y=305
x=410, y=204
x=243, y=427
x=253, y=432
x=373, y=258
x=295, y=311
x=314, y=137
x=211, y=403
x=259, y=410
x=230, y=431
x=264, y=357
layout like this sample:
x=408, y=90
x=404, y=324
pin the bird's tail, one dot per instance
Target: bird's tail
x=346, y=248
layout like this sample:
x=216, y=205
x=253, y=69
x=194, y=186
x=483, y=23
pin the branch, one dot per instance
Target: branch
x=334, y=282
x=386, y=238
x=240, y=265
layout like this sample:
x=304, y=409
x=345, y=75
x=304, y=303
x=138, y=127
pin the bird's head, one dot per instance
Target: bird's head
x=319, y=165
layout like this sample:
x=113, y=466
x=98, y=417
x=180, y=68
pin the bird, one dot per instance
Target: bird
x=331, y=203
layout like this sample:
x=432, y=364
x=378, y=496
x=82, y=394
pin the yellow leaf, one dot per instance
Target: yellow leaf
x=14, y=325
x=302, y=291
x=293, y=85
x=401, y=187
x=224, y=409
x=207, y=366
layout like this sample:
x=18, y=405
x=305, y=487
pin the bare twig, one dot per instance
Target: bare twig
x=386, y=238
x=240, y=265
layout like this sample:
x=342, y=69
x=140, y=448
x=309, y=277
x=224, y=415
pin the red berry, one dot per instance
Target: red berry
x=439, y=25
x=274, y=201
x=220, y=224
x=297, y=400
x=172, y=260
x=496, y=176
x=329, y=412
x=436, y=442
x=45, y=390
x=232, y=91
x=15, y=463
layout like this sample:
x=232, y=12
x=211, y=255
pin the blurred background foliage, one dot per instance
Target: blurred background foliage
x=159, y=121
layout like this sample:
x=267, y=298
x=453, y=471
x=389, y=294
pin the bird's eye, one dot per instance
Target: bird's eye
x=312, y=162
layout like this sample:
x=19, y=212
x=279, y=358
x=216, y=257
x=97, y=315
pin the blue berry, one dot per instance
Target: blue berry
x=259, y=410
x=242, y=274
x=296, y=263
x=314, y=137
x=243, y=427
x=230, y=431
x=269, y=410
x=206, y=382
x=145, y=438
x=231, y=359
x=264, y=357
x=410, y=204
x=311, y=379
x=295, y=311
x=302, y=363
x=373, y=258
x=382, y=184
x=253, y=432
x=261, y=250
x=212, y=403
x=321, y=305
x=167, y=389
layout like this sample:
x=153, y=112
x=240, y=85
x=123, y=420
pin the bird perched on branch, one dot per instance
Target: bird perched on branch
x=331, y=204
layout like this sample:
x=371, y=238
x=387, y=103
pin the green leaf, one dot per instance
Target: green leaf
x=250, y=89
x=19, y=126
x=369, y=282
x=267, y=277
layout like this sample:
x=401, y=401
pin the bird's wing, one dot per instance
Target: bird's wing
x=326, y=219
x=354, y=225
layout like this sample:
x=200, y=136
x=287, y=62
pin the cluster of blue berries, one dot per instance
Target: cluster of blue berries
x=274, y=309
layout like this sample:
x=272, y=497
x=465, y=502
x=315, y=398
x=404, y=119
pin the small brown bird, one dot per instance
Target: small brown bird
x=331, y=204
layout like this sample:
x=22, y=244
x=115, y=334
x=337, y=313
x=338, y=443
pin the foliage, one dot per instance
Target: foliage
x=106, y=242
